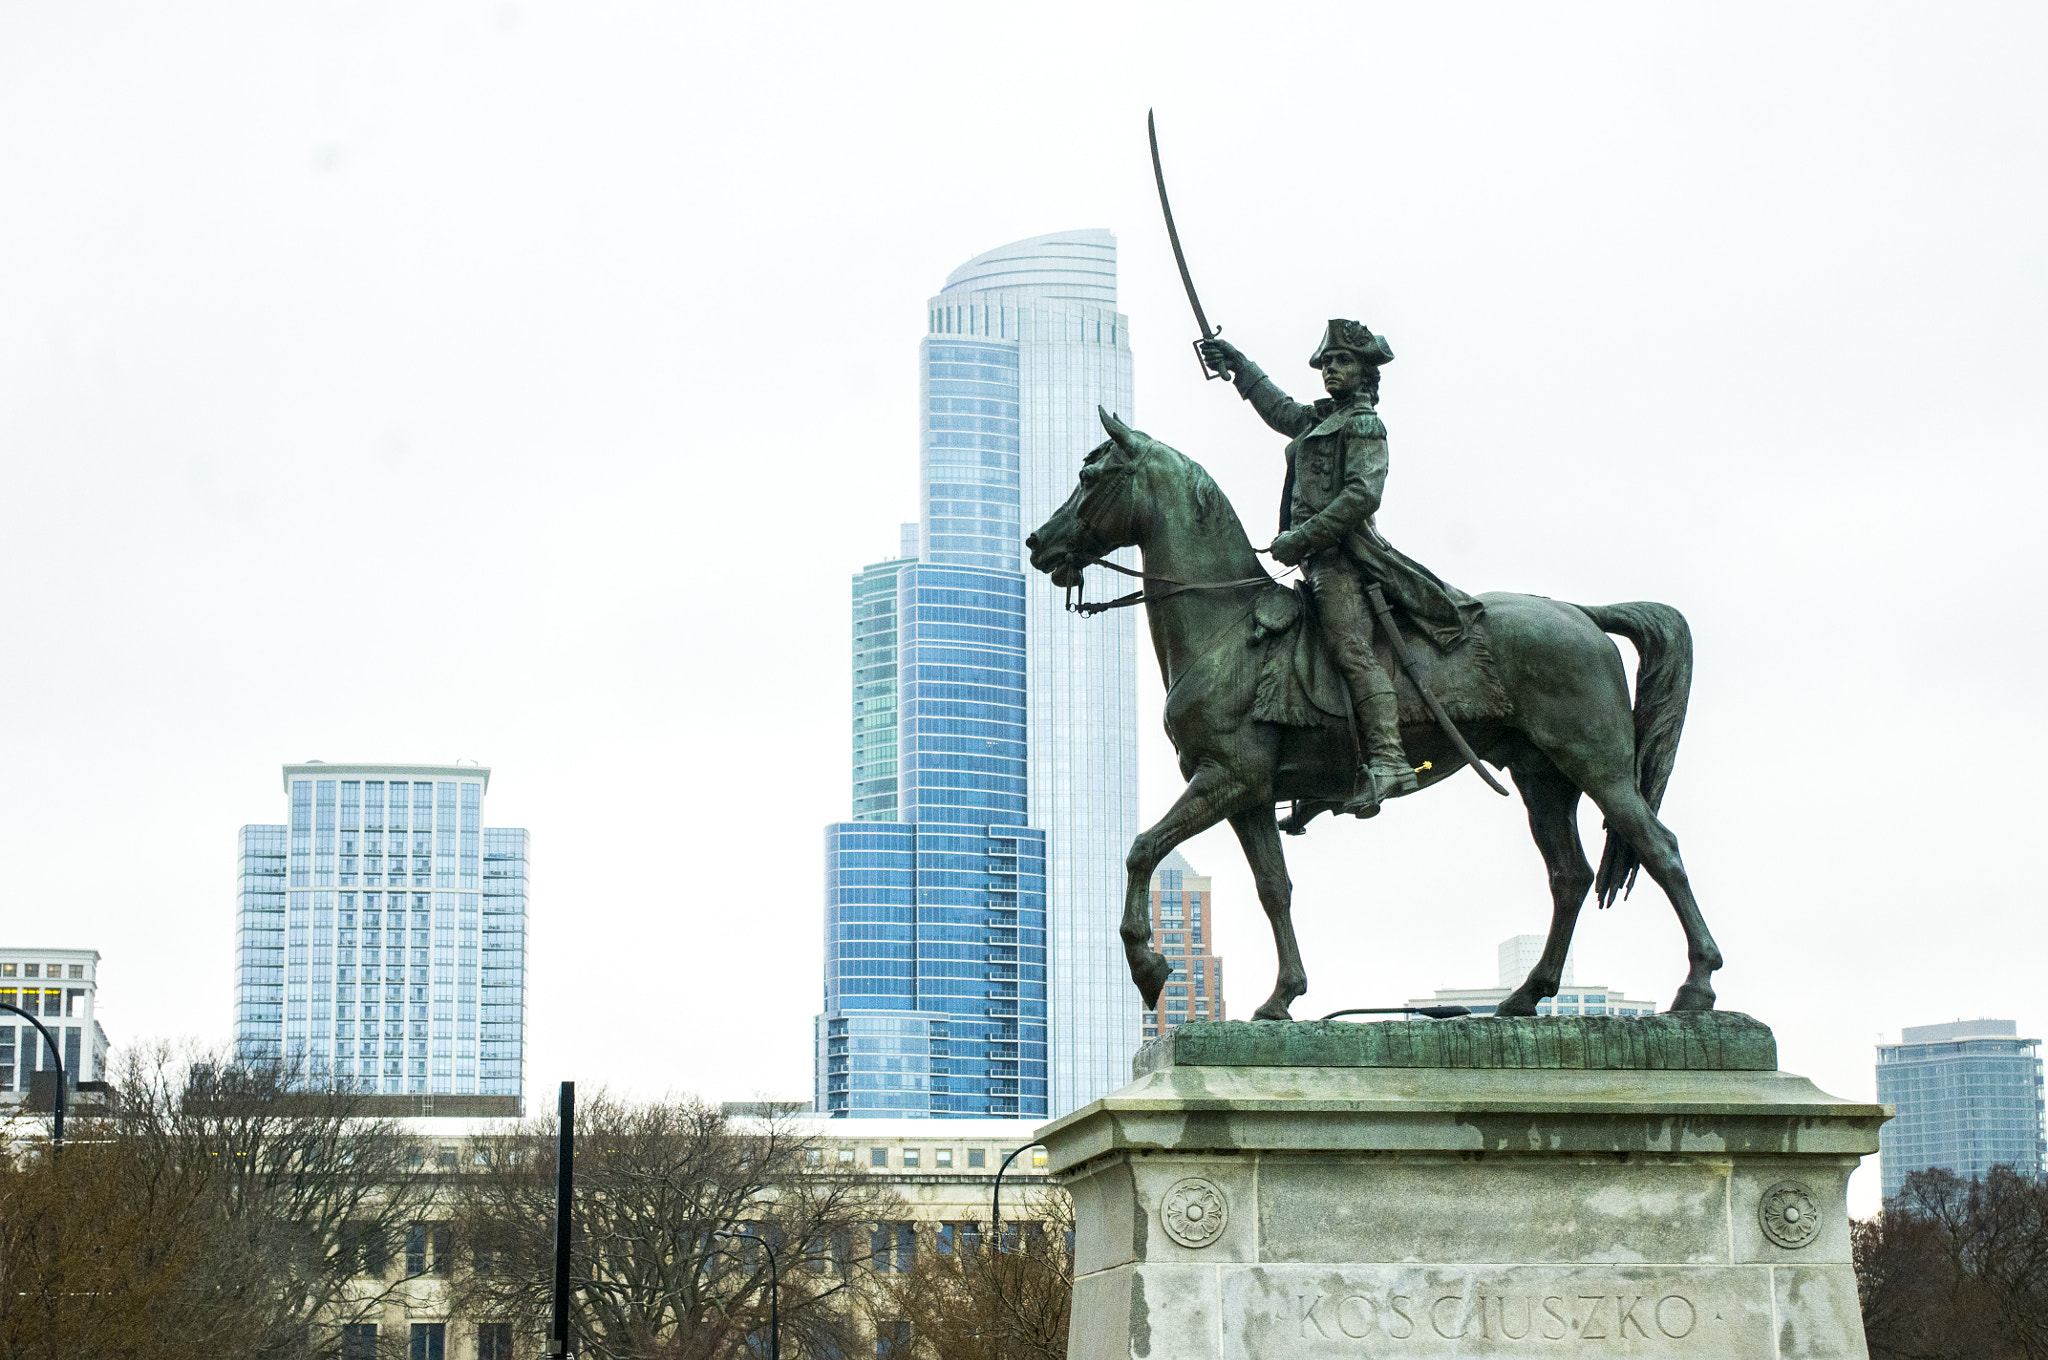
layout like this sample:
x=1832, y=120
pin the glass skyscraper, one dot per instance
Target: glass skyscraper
x=382, y=936
x=935, y=949
x=997, y=732
x=1969, y=1099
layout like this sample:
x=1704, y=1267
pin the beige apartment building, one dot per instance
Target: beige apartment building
x=1183, y=929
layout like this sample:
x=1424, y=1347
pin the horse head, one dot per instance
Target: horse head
x=1107, y=509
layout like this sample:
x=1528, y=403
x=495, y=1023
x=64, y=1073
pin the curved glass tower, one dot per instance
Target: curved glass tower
x=1014, y=778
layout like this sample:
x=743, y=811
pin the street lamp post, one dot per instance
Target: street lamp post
x=565, y=1183
x=57, y=1057
x=995, y=1211
x=774, y=1286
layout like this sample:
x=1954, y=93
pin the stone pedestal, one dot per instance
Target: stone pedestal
x=1557, y=1186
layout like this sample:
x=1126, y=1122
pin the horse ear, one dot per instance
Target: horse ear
x=1118, y=431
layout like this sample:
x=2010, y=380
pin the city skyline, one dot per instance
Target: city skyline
x=432, y=302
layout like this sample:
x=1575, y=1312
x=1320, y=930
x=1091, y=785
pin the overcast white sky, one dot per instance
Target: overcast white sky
x=522, y=382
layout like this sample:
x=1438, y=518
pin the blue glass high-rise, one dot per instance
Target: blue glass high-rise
x=1969, y=1098
x=972, y=964
x=935, y=950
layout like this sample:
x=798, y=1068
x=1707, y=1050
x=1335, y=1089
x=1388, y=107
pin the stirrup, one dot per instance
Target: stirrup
x=1366, y=801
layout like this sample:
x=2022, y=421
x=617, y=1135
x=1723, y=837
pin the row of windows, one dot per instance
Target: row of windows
x=48, y=970
x=45, y=1001
x=376, y=804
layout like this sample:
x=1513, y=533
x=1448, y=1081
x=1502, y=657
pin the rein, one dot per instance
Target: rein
x=1142, y=596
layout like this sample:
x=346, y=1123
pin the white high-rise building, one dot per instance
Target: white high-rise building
x=382, y=936
x=1051, y=301
x=59, y=987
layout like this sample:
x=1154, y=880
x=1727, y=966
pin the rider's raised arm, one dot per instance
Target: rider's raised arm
x=1365, y=480
x=1286, y=415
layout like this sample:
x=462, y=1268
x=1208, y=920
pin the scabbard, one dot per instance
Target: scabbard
x=1400, y=648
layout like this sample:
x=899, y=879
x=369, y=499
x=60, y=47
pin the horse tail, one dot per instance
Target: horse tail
x=1663, y=644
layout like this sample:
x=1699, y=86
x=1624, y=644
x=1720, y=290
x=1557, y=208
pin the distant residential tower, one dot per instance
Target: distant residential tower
x=1969, y=1098
x=1183, y=929
x=382, y=935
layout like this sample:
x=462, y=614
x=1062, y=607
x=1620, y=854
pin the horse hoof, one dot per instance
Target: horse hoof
x=1692, y=998
x=1272, y=1010
x=1516, y=1005
x=1150, y=973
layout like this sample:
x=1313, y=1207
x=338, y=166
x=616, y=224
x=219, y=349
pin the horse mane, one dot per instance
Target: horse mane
x=1208, y=497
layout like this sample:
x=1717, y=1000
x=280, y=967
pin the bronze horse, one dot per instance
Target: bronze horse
x=1570, y=729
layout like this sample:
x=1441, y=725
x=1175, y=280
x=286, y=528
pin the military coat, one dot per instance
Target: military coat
x=1336, y=474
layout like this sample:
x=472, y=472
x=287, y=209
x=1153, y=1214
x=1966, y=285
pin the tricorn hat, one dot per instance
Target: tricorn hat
x=1357, y=337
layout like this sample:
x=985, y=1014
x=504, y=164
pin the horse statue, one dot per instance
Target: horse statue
x=1243, y=669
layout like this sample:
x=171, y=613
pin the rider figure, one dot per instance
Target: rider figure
x=1336, y=472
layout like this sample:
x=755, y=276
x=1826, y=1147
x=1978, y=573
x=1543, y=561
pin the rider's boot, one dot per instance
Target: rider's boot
x=1386, y=772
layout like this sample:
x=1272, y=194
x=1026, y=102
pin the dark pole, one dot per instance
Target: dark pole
x=57, y=1057
x=774, y=1289
x=565, y=1180
x=995, y=1211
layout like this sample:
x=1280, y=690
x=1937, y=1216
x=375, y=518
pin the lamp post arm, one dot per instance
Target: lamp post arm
x=995, y=1211
x=57, y=1057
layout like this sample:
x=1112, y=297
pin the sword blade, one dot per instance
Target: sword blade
x=1186, y=280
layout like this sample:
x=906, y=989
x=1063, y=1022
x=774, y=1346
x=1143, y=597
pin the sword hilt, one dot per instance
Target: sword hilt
x=1210, y=374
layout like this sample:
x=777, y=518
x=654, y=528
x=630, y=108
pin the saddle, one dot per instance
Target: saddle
x=1300, y=684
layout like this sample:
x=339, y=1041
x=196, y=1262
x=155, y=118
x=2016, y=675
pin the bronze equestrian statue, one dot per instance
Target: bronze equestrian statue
x=1275, y=694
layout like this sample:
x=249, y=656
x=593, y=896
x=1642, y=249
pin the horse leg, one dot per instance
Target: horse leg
x=1553, y=803
x=1259, y=834
x=1629, y=817
x=1210, y=796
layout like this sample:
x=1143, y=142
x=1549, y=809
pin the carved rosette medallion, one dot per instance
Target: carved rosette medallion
x=1788, y=1216
x=1194, y=1212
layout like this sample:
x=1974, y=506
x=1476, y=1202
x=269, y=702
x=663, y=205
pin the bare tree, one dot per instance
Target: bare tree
x=677, y=1210
x=236, y=1209
x=969, y=1298
x=96, y=1249
x=1957, y=1268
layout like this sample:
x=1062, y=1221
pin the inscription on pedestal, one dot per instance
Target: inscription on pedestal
x=1504, y=1311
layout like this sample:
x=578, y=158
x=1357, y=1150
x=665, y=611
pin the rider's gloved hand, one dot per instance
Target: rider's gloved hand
x=1289, y=548
x=1221, y=356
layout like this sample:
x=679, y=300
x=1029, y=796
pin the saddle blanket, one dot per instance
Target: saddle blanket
x=1300, y=684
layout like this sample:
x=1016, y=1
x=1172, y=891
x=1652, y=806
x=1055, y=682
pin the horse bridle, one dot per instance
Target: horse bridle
x=1078, y=605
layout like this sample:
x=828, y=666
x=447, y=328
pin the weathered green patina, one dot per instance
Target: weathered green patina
x=1566, y=728
x=1694, y=1041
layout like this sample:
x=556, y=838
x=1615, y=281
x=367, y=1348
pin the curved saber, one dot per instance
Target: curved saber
x=1186, y=280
